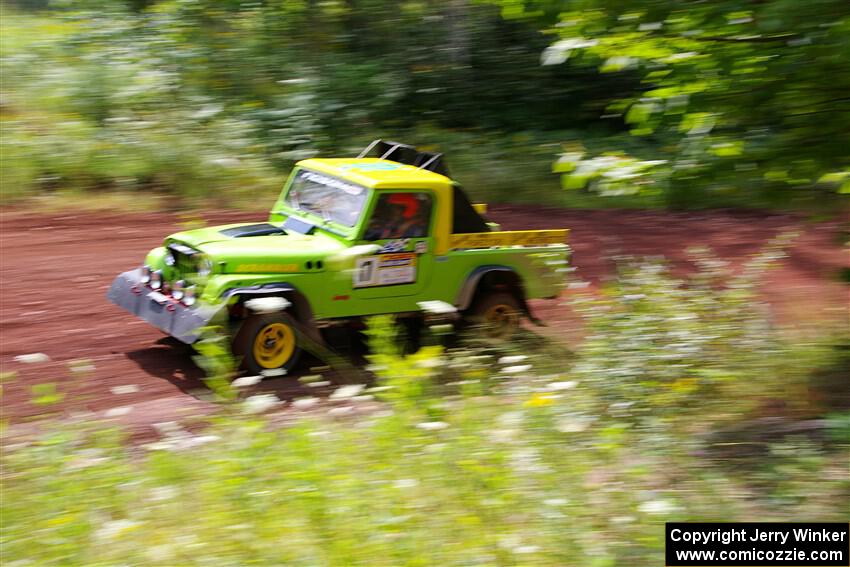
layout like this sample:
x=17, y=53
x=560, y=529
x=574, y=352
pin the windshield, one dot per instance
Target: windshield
x=334, y=199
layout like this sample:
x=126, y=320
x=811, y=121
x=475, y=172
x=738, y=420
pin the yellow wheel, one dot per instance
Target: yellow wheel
x=274, y=345
x=497, y=313
x=267, y=342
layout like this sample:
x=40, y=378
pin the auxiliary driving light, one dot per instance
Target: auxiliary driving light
x=204, y=267
x=156, y=279
x=146, y=274
x=189, y=296
x=177, y=291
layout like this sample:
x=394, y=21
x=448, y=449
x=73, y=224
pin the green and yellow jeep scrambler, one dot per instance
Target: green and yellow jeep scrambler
x=347, y=238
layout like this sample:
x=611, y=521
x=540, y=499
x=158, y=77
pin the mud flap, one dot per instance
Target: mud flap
x=163, y=312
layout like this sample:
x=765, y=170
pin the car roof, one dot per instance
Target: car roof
x=379, y=173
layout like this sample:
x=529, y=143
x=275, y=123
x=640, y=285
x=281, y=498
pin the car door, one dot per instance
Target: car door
x=401, y=223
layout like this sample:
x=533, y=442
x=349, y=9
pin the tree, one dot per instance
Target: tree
x=740, y=96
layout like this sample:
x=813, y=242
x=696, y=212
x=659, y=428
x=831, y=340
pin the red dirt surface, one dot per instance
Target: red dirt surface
x=56, y=269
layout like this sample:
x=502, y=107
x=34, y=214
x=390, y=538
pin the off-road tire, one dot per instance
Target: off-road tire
x=496, y=313
x=267, y=342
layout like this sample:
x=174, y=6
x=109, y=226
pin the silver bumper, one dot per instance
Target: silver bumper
x=163, y=312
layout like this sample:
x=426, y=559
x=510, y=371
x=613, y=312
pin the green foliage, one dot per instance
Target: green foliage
x=207, y=99
x=477, y=454
x=726, y=104
x=740, y=98
x=46, y=394
x=215, y=358
x=662, y=345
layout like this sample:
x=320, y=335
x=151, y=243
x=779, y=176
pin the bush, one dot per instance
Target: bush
x=475, y=454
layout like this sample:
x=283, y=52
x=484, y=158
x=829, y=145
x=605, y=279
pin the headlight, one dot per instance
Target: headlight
x=156, y=279
x=146, y=274
x=189, y=296
x=204, y=267
x=177, y=291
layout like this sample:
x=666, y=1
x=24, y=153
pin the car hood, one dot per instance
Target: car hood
x=258, y=247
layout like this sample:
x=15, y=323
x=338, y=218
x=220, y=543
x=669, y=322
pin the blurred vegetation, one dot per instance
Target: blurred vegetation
x=500, y=453
x=720, y=103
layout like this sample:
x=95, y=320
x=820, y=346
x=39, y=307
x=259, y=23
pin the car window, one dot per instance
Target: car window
x=400, y=215
x=334, y=199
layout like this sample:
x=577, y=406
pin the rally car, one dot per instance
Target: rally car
x=347, y=238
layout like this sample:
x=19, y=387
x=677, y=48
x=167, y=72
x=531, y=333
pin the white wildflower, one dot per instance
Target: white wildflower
x=114, y=528
x=512, y=359
x=503, y=435
x=650, y=26
x=195, y=441
x=118, y=412
x=656, y=507
x=560, y=386
x=343, y=410
x=161, y=493
x=555, y=502
x=162, y=553
x=81, y=366
x=406, y=483
x=86, y=458
x=169, y=429
x=526, y=549
x=245, y=381
x=430, y=363
x=225, y=162
x=125, y=389
x=32, y=358
x=571, y=425
x=517, y=369
x=273, y=372
x=260, y=403
x=432, y=425
x=319, y=384
x=511, y=418
x=347, y=391
x=305, y=403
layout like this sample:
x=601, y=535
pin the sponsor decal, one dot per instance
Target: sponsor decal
x=267, y=268
x=378, y=166
x=331, y=182
x=385, y=269
x=397, y=245
x=421, y=247
x=508, y=238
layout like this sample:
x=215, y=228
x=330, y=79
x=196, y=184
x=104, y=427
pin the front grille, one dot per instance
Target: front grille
x=184, y=261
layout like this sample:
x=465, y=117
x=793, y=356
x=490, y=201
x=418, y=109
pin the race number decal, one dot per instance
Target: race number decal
x=385, y=269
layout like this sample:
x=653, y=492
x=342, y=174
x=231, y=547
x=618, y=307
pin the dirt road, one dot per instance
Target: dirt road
x=56, y=268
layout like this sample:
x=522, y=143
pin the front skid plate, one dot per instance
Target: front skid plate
x=181, y=322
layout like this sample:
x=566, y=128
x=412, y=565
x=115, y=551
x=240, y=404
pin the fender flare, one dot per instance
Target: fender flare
x=300, y=308
x=470, y=287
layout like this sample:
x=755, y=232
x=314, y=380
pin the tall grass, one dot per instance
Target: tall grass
x=486, y=453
